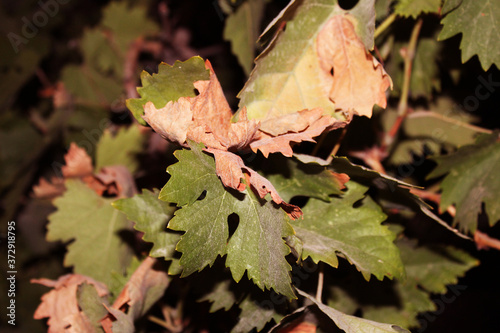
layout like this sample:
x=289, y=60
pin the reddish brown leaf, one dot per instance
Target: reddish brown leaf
x=61, y=304
x=78, y=163
x=49, y=190
x=142, y=290
x=303, y=327
x=230, y=167
x=115, y=180
x=281, y=144
x=358, y=81
x=291, y=123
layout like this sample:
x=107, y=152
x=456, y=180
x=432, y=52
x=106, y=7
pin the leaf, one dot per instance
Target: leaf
x=229, y=168
x=121, y=149
x=242, y=30
x=281, y=144
x=358, y=81
x=92, y=308
x=414, y=8
x=479, y=24
x=351, y=324
x=61, y=303
x=254, y=315
x=94, y=226
x=151, y=217
x=257, y=245
x=429, y=270
x=356, y=233
x=221, y=296
x=293, y=178
x=169, y=84
x=471, y=180
x=277, y=87
x=144, y=288
x=99, y=80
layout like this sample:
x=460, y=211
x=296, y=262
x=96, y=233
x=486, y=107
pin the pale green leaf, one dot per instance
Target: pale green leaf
x=352, y=324
x=287, y=75
x=293, y=178
x=120, y=149
x=91, y=305
x=94, y=226
x=414, y=8
x=151, y=216
x=169, y=84
x=257, y=245
x=330, y=228
x=472, y=178
x=242, y=30
x=479, y=24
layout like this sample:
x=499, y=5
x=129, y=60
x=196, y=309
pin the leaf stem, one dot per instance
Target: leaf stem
x=337, y=146
x=384, y=25
x=321, y=276
x=408, y=56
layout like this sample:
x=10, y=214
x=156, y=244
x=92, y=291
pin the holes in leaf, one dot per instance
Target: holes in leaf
x=300, y=201
x=348, y=4
x=202, y=195
x=331, y=71
x=233, y=221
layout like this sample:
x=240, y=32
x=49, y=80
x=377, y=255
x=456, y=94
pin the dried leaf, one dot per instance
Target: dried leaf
x=281, y=144
x=229, y=168
x=61, y=303
x=78, y=162
x=143, y=289
x=358, y=81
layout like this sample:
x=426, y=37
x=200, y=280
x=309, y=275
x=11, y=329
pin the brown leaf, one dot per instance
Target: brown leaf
x=281, y=144
x=49, y=190
x=144, y=288
x=205, y=118
x=229, y=168
x=172, y=121
x=78, y=163
x=291, y=123
x=358, y=80
x=60, y=304
x=115, y=180
x=303, y=327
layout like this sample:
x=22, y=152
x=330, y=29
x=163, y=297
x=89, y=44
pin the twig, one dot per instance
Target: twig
x=337, y=146
x=321, y=276
x=408, y=56
x=483, y=241
x=384, y=25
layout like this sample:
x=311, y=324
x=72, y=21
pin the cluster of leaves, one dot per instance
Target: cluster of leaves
x=246, y=192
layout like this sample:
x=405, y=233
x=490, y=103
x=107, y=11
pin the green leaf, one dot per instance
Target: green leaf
x=94, y=226
x=120, y=149
x=151, y=216
x=255, y=314
x=293, y=178
x=92, y=305
x=242, y=30
x=287, y=73
x=169, y=84
x=351, y=324
x=330, y=228
x=257, y=245
x=479, y=24
x=221, y=296
x=128, y=23
x=414, y=8
x=434, y=267
x=429, y=269
x=472, y=179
